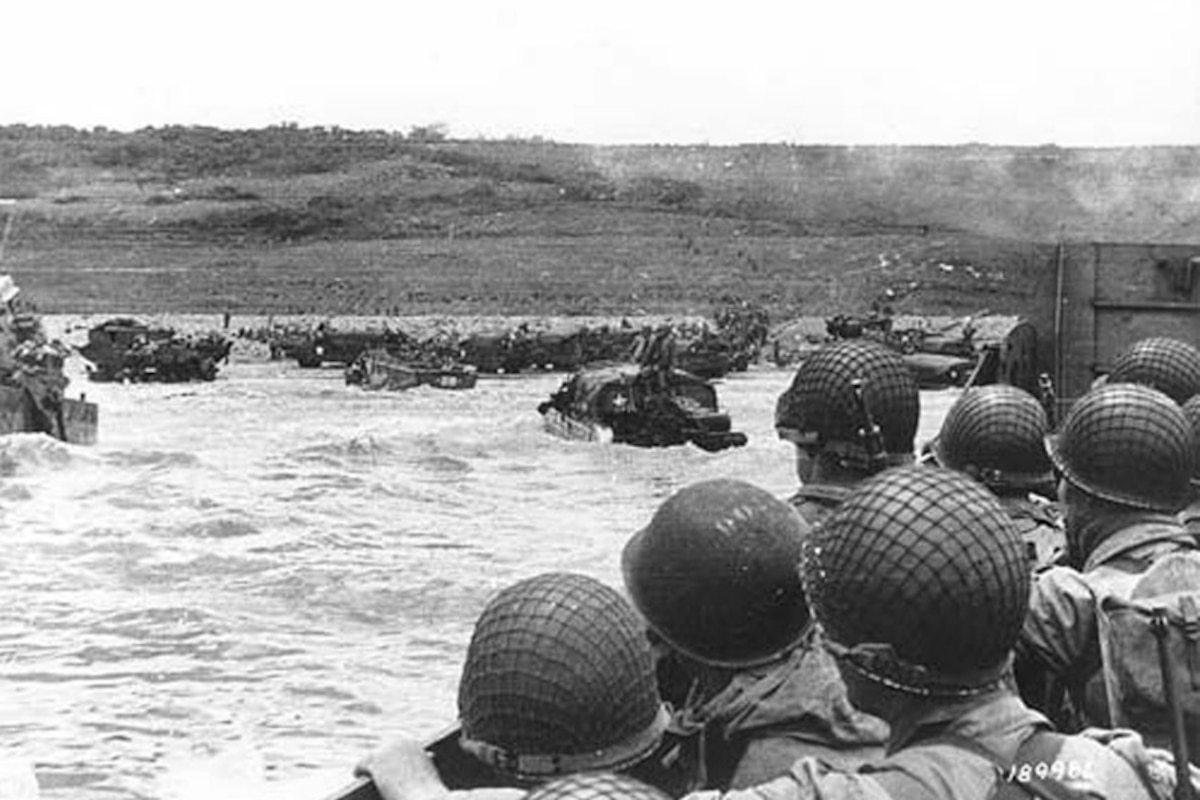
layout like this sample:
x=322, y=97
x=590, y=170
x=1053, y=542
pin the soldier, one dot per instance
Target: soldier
x=1125, y=456
x=1190, y=516
x=713, y=573
x=559, y=678
x=995, y=434
x=1169, y=365
x=919, y=581
x=851, y=410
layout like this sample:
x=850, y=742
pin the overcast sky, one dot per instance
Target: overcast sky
x=1027, y=72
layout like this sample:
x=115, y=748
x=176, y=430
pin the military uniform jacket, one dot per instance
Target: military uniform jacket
x=1040, y=527
x=1061, y=629
x=814, y=501
x=769, y=717
x=921, y=765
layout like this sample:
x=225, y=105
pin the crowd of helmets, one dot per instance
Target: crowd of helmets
x=956, y=624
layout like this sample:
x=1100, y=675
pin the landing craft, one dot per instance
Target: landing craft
x=377, y=369
x=32, y=383
x=1105, y=296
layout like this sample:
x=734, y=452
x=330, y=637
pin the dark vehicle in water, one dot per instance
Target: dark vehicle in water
x=378, y=369
x=128, y=350
x=642, y=406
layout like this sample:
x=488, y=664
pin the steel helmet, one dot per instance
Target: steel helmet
x=559, y=678
x=713, y=573
x=820, y=406
x=1127, y=444
x=996, y=435
x=1191, y=410
x=1169, y=365
x=596, y=786
x=920, y=581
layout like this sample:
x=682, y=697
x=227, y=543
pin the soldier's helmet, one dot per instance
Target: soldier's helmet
x=1169, y=365
x=996, y=435
x=920, y=582
x=820, y=408
x=1127, y=444
x=559, y=678
x=1191, y=410
x=596, y=786
x=713, y=573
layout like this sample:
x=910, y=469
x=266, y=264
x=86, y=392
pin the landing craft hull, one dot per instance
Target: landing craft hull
x=376, y=370
x=77, y=424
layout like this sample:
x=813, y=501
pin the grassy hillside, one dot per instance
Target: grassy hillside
x=290, y=220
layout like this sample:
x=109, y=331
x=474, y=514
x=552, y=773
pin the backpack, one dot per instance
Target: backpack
x=1150, y=647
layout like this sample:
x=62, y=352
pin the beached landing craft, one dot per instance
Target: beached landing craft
x=32, y=383
x=642, y=406
x=378, y=369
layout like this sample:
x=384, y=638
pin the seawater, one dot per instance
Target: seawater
x=248, y=584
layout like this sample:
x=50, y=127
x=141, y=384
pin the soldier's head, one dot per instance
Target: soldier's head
x=1123, y=449
x=822, y=414
x=559, y=678
x=995, y=434
x=713, y=574
x=1169, y=365
x=920, y=582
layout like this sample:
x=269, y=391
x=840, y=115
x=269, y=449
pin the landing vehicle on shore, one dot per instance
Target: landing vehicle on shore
x=641, y=406
x=128, y=350
x=377, y=370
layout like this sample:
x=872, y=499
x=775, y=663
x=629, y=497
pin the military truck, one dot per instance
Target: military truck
x=123, y=349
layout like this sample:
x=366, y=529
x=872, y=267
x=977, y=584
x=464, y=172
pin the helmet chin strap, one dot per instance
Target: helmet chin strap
x=535, y=766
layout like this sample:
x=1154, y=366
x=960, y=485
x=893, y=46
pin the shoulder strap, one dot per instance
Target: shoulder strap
x=1019, y=779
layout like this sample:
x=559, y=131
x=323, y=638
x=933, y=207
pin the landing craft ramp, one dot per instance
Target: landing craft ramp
x=1108, y=296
